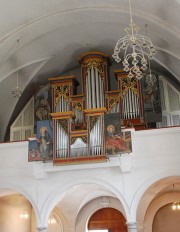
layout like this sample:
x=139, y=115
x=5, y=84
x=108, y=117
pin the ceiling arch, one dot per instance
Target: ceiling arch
x=66, y=29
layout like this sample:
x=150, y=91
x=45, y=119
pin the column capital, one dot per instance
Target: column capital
x=132, y=226
x=42, y=229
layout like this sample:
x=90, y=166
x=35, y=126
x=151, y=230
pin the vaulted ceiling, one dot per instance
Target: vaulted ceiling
x=53, y=34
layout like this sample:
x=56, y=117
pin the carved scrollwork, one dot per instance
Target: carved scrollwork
x=83, y=138
x=64, y=124
x=127, y=84
x=61, y=90
x=78, y=105
x=93, y=120
x=96, y=63
x=113, y=101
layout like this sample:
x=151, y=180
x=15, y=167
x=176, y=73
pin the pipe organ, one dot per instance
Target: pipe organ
x=78, y=120
x=130, y=99
x=94, y=66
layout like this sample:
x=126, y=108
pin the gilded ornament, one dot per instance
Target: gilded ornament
x=96, y=64
x=61, y=91
x=113, y=101
x=93, y=120
x=64, y=124
x=129, y=83
x=83, y=138
x=78, y=105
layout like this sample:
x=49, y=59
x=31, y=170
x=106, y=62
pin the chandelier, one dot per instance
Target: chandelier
x=176, y=204
x=134, y=46
x=24, y=215
x=16, y=92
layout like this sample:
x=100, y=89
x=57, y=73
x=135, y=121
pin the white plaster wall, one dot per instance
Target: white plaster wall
x=156, y=155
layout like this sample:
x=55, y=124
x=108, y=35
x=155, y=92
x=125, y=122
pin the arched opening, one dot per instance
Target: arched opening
x=107, y=219
x=16, y=213
x=54, y=221
x=166, y=219
x=155, y=207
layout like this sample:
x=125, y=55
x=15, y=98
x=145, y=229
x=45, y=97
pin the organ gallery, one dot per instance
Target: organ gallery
x=90, y=126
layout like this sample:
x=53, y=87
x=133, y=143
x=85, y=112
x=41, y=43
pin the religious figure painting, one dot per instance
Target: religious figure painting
x=42, y=104
x=116, y=142
x=40, y=149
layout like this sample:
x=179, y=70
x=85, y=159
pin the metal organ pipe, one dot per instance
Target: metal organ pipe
x=93, y=88
x=130, y=105
x=79, y=148
x=115, y=109
x=62, y=142
x=62, y=105
x=96, y=138
x=87, y=94
x=88, y=80
x=97, y=88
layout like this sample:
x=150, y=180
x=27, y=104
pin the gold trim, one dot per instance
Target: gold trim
x=61, y=91
x=77, y=96
x=80, y=160
x=91, y=54
x=95, y=110
x=113, y=92
x=83, y=138
x=78, y=105
x=59, y=115
x=96, y=63
x=127, y=84
x=61, y=78
x=92, y=121
x=112, y=101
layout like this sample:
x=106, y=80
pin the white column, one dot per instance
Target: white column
x=42, y=229
x=132, y=226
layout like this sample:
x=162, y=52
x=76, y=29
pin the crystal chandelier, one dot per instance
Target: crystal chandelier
x=16, y=92
x=135, y=46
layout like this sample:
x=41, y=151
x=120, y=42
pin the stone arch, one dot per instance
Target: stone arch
x=155, y=206
x=56, y=196
x=93, y=206
x=20, y=190
x=149, y=190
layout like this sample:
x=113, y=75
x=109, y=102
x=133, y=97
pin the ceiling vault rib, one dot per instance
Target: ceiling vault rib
x=26, y=65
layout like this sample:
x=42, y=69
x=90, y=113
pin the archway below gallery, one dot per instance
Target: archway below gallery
x=166, y=219
x=107, y=219
x=16, y=213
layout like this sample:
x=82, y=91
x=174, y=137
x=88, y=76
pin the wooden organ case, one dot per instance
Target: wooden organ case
x=131, y=105
x=78, y=120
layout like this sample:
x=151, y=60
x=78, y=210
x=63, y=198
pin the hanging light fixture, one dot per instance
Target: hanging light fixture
x=16, y=92
x=150, y=78
x=175, y=205
x=24, y=215
x=135, y=47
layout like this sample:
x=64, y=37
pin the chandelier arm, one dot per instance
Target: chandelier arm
x=146, y=39
x=123, y=40
x=142, y=52
x=127, y=46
